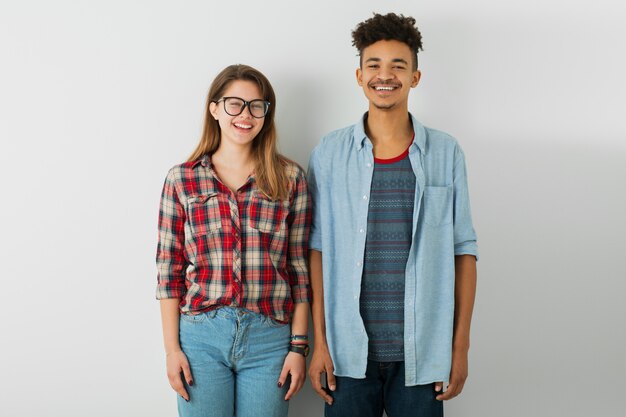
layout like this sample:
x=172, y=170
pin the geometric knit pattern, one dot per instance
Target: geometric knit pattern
x=387, y=245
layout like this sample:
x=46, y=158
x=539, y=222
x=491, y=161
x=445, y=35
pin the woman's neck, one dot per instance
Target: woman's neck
x=233, y=165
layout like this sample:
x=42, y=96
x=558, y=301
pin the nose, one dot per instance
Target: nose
x=385, y=75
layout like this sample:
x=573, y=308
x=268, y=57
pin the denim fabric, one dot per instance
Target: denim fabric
x=236, y=357
x=383, y=389
x=340, y=177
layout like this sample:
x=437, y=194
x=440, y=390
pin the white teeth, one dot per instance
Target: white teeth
x=385, y=88
x=242, y=126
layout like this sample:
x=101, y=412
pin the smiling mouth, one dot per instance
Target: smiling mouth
x=384, y=87
x=243, y=126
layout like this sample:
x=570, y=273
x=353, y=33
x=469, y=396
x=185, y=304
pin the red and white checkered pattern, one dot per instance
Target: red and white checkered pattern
x=220, y=248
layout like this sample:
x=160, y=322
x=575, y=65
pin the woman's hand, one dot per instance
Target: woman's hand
x=177, y=364
x=295, y=365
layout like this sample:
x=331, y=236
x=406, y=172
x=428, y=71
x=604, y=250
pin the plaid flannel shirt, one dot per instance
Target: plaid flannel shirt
x=222, y=248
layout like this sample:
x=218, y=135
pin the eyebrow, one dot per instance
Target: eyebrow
x=393, y=60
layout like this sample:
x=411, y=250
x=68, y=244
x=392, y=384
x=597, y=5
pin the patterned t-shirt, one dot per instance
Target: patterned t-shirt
x=387, y=245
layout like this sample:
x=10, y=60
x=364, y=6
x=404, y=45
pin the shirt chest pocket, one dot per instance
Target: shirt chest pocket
x=438, y=205
x=268, y=216
x=203, y=214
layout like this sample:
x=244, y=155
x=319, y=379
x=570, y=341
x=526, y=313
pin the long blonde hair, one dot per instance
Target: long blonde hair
x=270, y=174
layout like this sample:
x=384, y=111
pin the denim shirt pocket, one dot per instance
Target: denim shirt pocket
x=203, y=213
x=438, y=205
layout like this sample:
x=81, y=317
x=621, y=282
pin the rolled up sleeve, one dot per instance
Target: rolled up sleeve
x=170, y=257
x=464, y=234
x=299, y=226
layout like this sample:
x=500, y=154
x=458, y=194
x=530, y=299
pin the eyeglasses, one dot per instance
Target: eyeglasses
x=234, y=106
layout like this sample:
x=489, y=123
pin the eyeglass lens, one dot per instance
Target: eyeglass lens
x=234, y=106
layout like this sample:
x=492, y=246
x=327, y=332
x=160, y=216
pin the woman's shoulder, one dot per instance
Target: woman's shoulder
x=180, y=171
x=293, y=170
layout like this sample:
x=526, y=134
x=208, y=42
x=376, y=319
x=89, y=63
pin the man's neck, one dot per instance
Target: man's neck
x=385, y=127
x=390, y=131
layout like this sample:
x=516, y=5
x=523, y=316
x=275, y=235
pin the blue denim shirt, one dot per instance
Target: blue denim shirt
x=340, y=176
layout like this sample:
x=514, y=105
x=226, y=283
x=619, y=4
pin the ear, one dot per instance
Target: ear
x=416, y=78
x=213, y=109
x=359, y=77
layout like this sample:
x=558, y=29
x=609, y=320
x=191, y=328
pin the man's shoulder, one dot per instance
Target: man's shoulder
x=438, y=140
x=439, y=135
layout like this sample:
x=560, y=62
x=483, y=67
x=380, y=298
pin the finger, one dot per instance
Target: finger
x=331, y=385
x=177, y=385
x=183, y=393
x=322, y=393
x=438, y=386
x=294, y=386
x=450, y=393
x=283, y=376
x=316, y=381
x=330, y=380
x=187, y=372
x=315, y=375
x=459, y=388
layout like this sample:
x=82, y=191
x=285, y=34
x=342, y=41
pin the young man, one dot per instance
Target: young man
x=393, y=259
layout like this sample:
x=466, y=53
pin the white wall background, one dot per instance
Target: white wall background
x=98, y=99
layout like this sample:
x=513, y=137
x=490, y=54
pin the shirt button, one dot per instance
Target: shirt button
x=361, y=230
x=358, y=263
x=364, y=197
x=355, y=297
x=369, y=165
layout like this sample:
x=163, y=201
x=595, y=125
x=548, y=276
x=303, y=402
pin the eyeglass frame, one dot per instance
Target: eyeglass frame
x=245, y=104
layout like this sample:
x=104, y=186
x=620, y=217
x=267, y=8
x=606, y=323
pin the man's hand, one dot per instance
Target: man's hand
x=458, y=375
x=177, y=364
x=321, y=364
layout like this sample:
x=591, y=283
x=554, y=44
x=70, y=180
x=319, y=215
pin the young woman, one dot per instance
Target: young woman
x=232, y=275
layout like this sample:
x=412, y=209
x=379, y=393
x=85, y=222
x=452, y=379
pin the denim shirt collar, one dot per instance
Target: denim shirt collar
x=419, y=142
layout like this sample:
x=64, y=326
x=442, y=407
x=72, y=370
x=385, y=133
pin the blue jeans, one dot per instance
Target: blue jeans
x=383, y=389
x=236, y=357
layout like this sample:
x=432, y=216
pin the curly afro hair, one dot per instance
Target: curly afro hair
x=388, y=27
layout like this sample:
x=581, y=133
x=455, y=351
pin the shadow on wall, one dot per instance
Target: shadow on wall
x=550, y=223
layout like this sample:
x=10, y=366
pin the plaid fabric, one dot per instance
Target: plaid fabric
x=219, y=248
